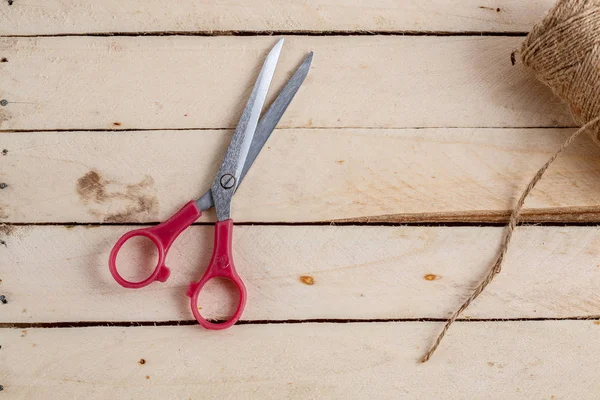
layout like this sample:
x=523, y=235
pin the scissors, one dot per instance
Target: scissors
x=247, y=141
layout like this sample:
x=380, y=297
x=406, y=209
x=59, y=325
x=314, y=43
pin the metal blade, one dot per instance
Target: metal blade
x=228, y=177
x=267, y=124
x=271, y=118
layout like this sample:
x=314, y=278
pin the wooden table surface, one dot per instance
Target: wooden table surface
x=370, y=215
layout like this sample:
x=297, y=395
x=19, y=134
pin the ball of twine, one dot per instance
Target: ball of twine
x=563, y=51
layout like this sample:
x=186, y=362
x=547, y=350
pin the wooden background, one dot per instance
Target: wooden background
x=373, y=211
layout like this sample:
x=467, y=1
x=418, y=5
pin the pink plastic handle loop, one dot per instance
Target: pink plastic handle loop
x=220, y=266
x=163, y=236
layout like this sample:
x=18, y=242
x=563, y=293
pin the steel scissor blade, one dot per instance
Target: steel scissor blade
x=267, y=124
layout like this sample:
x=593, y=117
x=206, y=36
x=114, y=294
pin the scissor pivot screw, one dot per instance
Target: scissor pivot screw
x=227, y=181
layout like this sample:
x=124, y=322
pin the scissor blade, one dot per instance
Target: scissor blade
x=228, y=177
x=267, y=124
x=271, y=118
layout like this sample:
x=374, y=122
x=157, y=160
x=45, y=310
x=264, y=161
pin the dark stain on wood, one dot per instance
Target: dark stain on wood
x=498, y=9
x=6, y=230
x=4, y=152
x=3, y=60
x=116, y=124
x=93, y=189
x=143, y=205
x=142, y=361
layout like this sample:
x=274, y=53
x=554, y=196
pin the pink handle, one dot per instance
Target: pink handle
x=163, y=236
x=220, y=266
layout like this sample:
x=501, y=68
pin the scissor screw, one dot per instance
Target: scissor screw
x=227, y=181
x=3, y=102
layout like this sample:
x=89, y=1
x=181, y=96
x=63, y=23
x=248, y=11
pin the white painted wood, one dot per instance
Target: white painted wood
x=52, y=274
x=381, y=175
x=203, y=82
x=512, y=360
x=35, y=17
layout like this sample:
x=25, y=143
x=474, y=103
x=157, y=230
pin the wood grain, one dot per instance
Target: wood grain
x=58, y=274
x=513, y=360
x=202, y=82
x=30, y=17
x=302, y=175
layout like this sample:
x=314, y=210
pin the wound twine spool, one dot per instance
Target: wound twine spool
x=563, y=51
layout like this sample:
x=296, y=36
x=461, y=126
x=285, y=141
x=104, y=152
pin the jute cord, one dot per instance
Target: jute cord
x=564, y=53
x=514, y=220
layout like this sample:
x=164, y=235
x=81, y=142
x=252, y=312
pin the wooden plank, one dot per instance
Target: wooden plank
x=202, y=82
x=53, y=274
x=303, y=175
x=511, y=360
x=30, y=17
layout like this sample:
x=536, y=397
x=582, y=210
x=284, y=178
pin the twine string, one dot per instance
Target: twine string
x=563, y=51
x=514, y=219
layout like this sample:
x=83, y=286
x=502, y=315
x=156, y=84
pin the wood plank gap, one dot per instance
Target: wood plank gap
x=425, y=224
x=280, y=33
x=559, y=216
x=126, y=324
x=312, y=128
